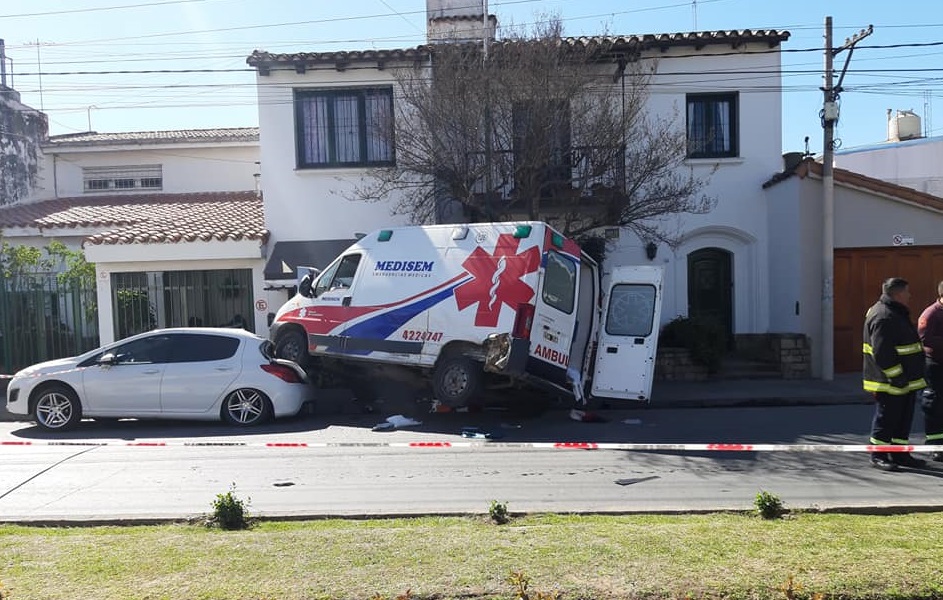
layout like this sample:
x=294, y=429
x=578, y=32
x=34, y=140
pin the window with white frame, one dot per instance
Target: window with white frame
x=712, y=125
x=122, y=179
x=344, y=128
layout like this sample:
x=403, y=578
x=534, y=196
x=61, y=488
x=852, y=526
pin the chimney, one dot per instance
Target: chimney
x=458, y=21
x=3, y=65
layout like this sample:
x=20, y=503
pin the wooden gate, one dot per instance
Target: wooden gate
x=858, y=276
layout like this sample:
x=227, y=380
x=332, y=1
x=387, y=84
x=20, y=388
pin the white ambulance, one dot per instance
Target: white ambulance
x=477, y=305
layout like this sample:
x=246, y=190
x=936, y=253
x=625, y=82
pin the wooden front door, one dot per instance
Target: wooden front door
x=858, y=276
x=710, y=287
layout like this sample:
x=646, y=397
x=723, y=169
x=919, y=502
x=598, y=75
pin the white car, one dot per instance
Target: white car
x=181, y=373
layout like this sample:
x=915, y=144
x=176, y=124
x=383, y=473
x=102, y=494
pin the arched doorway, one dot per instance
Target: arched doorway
x=710, y=287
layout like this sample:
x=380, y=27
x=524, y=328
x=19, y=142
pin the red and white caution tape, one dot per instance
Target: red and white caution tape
x=655, y=447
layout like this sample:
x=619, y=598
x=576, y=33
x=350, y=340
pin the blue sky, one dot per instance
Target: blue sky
x=51, y=41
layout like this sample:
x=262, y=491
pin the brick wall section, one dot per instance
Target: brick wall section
x=794, y=354
x=676, y=364
x=789, y=351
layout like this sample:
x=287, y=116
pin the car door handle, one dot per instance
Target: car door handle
x=612, y=349
x=639, y=341
x=346, y=301
x=151, y=371
x=224, y=368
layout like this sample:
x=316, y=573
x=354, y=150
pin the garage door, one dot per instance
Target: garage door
x=858, y=276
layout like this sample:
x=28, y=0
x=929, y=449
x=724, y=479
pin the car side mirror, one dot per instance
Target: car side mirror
x=108, y=358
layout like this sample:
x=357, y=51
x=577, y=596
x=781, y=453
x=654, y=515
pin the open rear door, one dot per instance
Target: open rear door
x=628, y=334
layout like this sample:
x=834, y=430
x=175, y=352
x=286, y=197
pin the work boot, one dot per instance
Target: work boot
x=880, y=460
x=905, y=459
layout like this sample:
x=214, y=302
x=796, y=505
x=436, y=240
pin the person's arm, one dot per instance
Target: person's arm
x=883, y=348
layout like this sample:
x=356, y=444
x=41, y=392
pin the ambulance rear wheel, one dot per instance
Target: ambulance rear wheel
x=291, y=344
x=457, y=380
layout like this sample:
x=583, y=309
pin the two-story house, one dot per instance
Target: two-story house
x=317, y=144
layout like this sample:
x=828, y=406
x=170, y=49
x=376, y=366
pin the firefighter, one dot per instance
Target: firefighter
x=930, y=328
x=892, y=372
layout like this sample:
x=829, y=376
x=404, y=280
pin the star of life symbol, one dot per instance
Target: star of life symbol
x=497, y=279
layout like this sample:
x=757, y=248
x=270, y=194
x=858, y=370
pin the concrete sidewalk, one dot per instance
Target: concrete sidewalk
x=844, y=389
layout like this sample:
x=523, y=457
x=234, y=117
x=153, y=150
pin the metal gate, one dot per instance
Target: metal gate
x=143, y=301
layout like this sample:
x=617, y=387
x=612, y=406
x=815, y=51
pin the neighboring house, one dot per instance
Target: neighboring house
x=22, y=130
x=171, y=219
x=881, y=230
x=906, y=158
x=315, y=107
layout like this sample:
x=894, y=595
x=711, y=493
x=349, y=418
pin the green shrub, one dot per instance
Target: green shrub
x=768, y=505
x=498, y=511
x=703, y=337
x=230, y=511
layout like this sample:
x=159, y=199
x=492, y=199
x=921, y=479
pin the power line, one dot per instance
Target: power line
x=99, y=9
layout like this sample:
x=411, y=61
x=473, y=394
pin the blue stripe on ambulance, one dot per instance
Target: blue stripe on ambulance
x=370, y=335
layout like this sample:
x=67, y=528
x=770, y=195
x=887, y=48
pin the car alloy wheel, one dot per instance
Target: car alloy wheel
x=245, y=407
x=57, y=409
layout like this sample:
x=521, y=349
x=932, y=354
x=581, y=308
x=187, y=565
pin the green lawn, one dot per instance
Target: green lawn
x=582, y=557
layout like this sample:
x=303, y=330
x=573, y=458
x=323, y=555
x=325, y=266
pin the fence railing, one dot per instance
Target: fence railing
x=43, y=318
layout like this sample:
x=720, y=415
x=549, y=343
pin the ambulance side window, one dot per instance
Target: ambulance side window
x=340, y=275
x=559, y=289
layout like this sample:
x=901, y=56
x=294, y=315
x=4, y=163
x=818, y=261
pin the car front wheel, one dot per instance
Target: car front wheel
x=246, y=407
x=57, y=408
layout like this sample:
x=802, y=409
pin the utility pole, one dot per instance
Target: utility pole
x=829, y=118
x=489, y=176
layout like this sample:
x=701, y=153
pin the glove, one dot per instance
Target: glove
x=899, y=382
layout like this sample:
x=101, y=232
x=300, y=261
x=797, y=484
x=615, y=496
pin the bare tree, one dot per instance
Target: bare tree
x=543, y=127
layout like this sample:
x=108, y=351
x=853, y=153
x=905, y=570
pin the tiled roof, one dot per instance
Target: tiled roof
x=147, y=218
x=857, y=180
x=234, y=134
x=609, y=44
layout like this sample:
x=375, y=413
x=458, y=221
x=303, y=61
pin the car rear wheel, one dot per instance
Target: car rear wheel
x=57, y=408
x=457, y=380
x=246, y=407
x=291, y=344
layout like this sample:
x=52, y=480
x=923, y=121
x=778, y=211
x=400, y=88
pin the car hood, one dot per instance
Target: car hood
x=50, y=366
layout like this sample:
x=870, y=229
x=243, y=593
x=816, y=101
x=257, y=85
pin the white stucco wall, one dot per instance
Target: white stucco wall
x=311, y=204
x=185, y=167
x=916, y=164
x=740, y=221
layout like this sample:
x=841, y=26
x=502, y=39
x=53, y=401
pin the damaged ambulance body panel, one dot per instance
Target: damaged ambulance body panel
x=477, y=305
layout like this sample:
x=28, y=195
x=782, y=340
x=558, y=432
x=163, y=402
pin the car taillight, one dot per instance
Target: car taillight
x=282, y=372
x=523, y=321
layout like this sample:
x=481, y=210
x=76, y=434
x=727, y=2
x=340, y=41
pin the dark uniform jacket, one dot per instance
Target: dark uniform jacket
x=893, y=354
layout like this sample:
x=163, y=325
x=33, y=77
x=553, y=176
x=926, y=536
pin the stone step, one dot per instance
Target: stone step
x=739, y=368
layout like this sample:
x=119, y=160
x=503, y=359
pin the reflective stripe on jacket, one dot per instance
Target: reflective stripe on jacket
x=892, y=350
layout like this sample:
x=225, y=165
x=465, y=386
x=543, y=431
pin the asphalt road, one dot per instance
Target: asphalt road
x=358, y=471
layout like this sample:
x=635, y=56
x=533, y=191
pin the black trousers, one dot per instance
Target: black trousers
x=932, y=404
x=893, y=416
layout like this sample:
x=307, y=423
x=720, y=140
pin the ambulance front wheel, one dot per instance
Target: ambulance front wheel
x=457, y=380
x=291, y=344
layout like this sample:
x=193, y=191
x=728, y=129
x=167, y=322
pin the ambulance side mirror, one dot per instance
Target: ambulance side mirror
x=304, y=287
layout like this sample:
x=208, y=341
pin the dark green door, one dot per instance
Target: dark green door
x=710, y=288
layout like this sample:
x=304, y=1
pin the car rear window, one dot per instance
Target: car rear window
x=200, y=347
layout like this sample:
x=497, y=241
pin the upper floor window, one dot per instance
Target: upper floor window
x=712, y=126
x=344, y=128
x=124, y=178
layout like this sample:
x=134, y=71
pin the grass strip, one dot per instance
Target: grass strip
x=729, y=556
